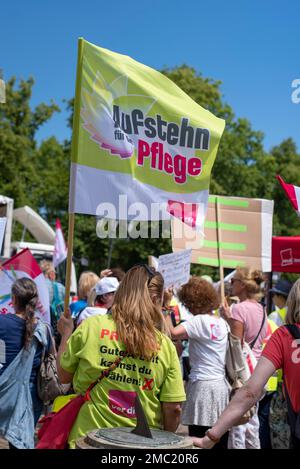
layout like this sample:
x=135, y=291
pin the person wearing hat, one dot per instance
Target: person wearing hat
x=100, y=299
x=280, y=292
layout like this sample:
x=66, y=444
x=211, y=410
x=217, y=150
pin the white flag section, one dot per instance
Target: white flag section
x=19, y=266
x=292, y=192
x=2, y=230
x=175, y=268
x=60, y=249
x=2, y=92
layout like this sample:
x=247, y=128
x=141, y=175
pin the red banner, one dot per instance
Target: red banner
x=286, y=253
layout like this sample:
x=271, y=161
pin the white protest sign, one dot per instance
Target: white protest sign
x=175, y=268
x=153, y=262
x=2, y=230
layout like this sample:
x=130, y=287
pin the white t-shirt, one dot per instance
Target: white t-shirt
x=208, y=336
x=91, y=311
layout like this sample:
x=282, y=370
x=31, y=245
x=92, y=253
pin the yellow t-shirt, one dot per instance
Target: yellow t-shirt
x=92, y=348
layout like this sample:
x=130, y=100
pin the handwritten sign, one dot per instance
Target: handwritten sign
x=175, y=268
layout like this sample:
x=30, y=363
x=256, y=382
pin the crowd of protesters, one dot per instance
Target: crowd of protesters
x=168, y=348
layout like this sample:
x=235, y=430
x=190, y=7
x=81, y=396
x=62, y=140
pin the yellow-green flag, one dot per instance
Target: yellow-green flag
x=137, y=134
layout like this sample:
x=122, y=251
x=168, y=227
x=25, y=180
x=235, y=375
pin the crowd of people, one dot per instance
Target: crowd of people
x=167, y=347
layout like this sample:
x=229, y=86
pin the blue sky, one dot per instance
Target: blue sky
x=251, y=46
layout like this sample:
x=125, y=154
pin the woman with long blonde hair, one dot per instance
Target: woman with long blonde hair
x=132, y=335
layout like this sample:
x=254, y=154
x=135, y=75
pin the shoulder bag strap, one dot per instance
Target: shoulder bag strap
x=262, y=325
x=53, y=346
x=104, y=374
x=232, y=356
x=291, y=414
x=229, y=345
x=295, y=333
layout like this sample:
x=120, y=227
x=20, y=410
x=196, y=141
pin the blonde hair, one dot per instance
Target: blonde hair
x=293, y=304
x=91, y=298
x=87, y=281
x=137, y=311
x=252, y=279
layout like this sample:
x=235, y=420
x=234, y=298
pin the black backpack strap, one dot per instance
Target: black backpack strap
x=291, y=414
x=293, y=330
x=295, y=333
x=251, y=345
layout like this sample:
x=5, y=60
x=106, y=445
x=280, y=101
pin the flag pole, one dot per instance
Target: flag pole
x=74, y=150
x=69, y=261
x=221, y=269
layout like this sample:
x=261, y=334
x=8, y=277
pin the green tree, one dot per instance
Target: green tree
x=242, y=168
x=52, y=164
x=39, y=175
x=18, y=127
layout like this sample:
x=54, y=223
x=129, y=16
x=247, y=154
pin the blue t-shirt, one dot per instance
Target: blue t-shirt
x=12, y=329
x=77, y=307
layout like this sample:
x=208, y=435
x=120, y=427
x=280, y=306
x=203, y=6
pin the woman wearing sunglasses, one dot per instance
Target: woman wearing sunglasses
x=134, y=330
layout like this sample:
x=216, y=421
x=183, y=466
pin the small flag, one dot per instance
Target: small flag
x=292, y=192
x=22, y=265
x=60, y=249
x=2, y=91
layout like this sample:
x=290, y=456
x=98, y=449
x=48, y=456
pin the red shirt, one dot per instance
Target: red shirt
x=282, y=350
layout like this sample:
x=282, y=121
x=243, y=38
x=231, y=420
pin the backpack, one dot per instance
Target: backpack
x=294, y=418
x=48, y=383
x=56, y=310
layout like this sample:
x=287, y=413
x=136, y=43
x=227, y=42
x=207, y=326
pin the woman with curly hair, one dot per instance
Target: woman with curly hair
x=207, y=389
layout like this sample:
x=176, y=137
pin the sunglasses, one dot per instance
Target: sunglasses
x=150, y=270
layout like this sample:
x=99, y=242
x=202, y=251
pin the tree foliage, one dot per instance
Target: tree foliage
x=18, y=127
x=38, y=175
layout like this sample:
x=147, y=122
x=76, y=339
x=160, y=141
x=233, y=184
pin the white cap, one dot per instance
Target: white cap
x=106, y=285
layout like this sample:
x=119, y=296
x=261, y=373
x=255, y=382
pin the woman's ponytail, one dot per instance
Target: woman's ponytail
x=26, y=298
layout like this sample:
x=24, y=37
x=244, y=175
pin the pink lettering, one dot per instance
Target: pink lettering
x=180, y=169
x=179, y=166
x=194, y=166
x=143, y=151
x=168, y=166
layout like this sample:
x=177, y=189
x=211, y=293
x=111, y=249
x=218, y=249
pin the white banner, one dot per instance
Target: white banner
x=3, y=221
